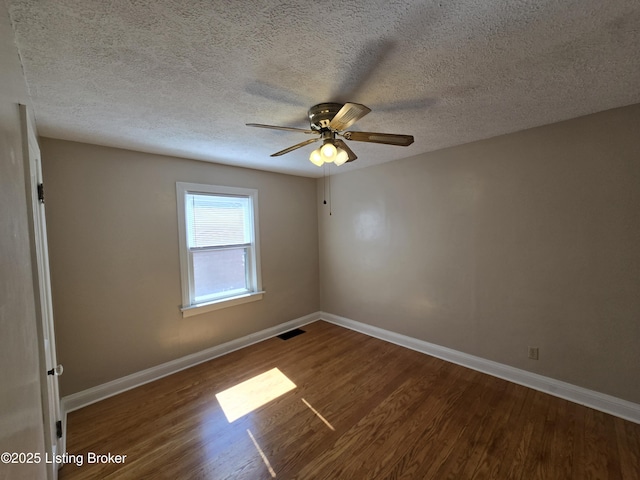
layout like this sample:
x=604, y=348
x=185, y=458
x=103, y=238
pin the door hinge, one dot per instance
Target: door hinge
x=41, y=192
x=59, y=428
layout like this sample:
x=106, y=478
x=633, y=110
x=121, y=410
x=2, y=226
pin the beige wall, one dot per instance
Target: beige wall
x=487, y=248
x=21, y=427
x=113, y=238
x=528, y=239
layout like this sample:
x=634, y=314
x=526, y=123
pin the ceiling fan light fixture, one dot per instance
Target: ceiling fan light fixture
x=326, y=121
x=316, y=158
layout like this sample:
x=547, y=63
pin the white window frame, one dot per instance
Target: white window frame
x=254, y=280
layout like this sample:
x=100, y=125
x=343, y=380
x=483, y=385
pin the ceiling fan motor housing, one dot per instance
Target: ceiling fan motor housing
x=321, y=115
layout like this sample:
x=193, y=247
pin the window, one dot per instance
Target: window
x=219, y=252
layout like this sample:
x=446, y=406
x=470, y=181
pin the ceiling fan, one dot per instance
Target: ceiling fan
x=329, y=120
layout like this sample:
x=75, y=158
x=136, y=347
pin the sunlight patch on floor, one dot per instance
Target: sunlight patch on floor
x=245, y=397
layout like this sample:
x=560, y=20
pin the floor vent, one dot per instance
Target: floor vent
x=290, y=334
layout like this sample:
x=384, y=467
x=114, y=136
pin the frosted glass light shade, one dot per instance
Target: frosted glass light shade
x=316, y=157
x=341, y=157
x=328, y=152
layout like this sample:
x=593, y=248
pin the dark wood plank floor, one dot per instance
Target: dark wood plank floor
x=395, y=413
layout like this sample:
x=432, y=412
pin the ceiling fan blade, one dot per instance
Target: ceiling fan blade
x=339, y=143
x=295, y=147
x=275, y=127
x=386, y=138
x=349, y=114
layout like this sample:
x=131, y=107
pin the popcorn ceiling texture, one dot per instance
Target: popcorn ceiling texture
x=183, y=77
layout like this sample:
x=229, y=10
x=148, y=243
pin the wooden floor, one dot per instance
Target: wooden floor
x=390, y=413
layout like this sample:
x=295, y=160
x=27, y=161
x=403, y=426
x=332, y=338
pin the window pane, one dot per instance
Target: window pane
x=217, y=220
x=219, y=273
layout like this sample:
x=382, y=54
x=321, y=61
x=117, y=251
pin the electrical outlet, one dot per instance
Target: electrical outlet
x=533, y=353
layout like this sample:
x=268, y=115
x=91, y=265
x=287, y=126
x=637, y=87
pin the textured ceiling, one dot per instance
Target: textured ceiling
x=183, y=77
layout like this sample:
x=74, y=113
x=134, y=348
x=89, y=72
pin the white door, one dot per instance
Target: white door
x=50, y=370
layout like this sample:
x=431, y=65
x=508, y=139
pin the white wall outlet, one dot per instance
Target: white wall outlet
x=533, y=353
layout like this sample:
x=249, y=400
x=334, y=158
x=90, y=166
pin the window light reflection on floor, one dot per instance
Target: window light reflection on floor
x=262, y=455
x=251, y=394
x=326, y=422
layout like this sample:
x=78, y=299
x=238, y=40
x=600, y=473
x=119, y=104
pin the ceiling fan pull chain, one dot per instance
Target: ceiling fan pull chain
x=329, y=189
x=324, y=184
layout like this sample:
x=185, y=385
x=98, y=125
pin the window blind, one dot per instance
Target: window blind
x=217, y=220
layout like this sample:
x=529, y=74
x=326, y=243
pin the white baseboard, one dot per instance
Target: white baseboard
x=589, y=398
x=81, y=399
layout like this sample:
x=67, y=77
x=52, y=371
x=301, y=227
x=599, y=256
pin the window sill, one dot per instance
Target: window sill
x=219, y=304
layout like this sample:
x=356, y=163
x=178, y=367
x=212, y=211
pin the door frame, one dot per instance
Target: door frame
x=50, y=394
